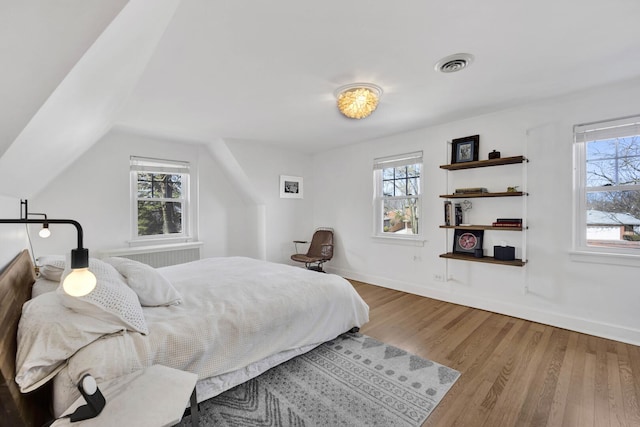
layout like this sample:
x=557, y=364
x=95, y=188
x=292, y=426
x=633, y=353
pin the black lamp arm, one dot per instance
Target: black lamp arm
x=79, y=256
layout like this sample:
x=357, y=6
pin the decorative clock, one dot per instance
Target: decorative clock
x=467, y=241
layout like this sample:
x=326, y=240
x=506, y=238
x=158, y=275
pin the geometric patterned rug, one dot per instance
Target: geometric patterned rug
x=353, y=380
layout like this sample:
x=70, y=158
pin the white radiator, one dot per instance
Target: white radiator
x=161, y=255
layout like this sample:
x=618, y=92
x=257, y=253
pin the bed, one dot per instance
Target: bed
x=225, y=319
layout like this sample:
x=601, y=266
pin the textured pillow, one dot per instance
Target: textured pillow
x=42, y=285
x=48, y=334
x=152, y=288
x=52, y=266
x=111, y=301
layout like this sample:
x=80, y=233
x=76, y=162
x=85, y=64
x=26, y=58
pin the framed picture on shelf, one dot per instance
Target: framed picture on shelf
x=465, y=149
x=467, y=241
x=290, y=187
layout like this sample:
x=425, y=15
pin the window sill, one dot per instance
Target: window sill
x=395, y=240
x=605, y=258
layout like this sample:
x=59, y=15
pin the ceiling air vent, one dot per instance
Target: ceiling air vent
x=453, y=63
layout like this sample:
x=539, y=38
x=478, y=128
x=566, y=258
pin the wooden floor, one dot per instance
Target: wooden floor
x=514, y=372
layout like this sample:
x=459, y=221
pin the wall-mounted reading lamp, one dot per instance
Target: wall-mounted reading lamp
x=44, y=231
x=80, y=281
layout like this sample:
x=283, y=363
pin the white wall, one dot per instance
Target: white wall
x=286, y=219
x=601, y=299
x=95, y=192
x=12, y=237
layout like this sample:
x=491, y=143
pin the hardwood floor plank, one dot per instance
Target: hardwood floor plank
x=513, y=372
x=629, y=387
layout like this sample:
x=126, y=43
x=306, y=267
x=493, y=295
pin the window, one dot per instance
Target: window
x=607, y=183
x=397, y=198
x=159, y=193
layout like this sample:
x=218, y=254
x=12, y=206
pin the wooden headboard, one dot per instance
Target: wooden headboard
x=17, y=409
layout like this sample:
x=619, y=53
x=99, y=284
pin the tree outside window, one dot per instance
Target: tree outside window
x=160, y=189
x=398, y=195
x=608, y=177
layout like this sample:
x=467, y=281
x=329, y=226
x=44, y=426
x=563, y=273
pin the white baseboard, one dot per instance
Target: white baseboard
x=443, y=293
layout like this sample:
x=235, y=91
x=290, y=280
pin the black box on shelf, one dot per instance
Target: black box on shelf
x=504, y=253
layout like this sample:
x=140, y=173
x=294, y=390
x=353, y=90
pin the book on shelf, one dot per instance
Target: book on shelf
x=509, y=220
x=448, y=212
x=458, y=214
x=471, y=190
x=507, y=224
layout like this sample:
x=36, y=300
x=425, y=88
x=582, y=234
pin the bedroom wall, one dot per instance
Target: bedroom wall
x=555, y=288
x=95, y=191
x=13, y=238
x=286, y=219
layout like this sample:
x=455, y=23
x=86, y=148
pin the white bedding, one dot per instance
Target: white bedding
x=238, y=317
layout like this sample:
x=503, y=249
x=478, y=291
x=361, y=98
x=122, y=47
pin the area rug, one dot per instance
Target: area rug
x=353, y=380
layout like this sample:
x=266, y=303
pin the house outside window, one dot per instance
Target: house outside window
x=160, y=198
x=607, y=186
x=397, y=196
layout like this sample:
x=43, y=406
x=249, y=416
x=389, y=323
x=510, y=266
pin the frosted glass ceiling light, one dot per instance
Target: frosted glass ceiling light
x=358, y=100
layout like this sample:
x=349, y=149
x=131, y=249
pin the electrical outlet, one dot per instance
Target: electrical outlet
x=438, y=277
x=417, y=258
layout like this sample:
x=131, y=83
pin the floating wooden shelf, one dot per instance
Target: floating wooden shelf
x=485, y=163
x=474, y=195
x=486, y=259
x=481, y=227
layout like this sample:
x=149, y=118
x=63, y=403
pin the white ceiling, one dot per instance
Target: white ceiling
x=266, y=71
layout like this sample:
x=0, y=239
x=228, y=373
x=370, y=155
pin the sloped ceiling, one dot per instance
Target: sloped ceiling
x=267, y=71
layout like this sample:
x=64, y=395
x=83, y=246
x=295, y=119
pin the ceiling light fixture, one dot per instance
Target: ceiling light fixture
x=358, y=100
x=454, y=63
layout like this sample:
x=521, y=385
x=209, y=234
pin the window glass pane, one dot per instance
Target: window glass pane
x=613, y=219
x=603, y=149
x=400, y=216
x=387, y=173
x=166, y=186
x=158, y=218
x=401, y=187
x=401, y=172
x=387, y=188
x=613, y=162
x=601, y=173
x=413, y=170
x=413, y=186
x=144, y=185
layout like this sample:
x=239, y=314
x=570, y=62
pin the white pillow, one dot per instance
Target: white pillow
x=152, y=288
x=49, y=334
x=42, y=285
x=52, y=266
x=111, y=301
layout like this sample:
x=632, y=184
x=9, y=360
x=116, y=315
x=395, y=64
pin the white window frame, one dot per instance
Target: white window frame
x=584, y=133
x=378, y=197
x=153, y=165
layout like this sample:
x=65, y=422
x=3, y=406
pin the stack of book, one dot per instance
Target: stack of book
x=452, y=213
x=508, y=222
x=471, y=190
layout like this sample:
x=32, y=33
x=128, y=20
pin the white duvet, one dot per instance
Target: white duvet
x=235, y=312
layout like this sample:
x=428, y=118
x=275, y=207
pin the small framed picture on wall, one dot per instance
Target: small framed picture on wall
x=291, y=187
x=465, y=149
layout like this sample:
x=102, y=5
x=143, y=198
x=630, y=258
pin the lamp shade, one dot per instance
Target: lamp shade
x=358, y=100
x=79, y=282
